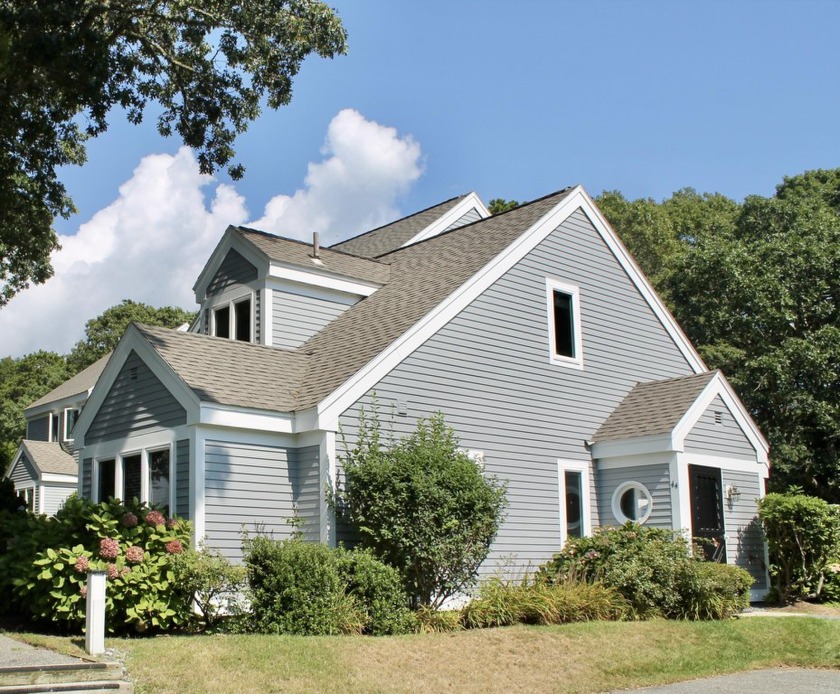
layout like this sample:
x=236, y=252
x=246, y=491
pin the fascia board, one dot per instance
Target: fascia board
x=212, y=414
x=292, y=273
x=53, y=477
x=231, y=239
x=331, y=407
x=662, y=443
x=61, y=404
x=133, y=340
x=470, y=201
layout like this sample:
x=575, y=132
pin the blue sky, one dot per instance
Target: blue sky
x=511, y=100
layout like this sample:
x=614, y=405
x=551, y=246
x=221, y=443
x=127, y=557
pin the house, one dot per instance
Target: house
x=44, y=469
x=533, y=331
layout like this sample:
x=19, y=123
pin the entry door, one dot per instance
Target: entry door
x=707, y=511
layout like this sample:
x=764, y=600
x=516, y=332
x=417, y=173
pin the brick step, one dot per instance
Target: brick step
x=59, y=674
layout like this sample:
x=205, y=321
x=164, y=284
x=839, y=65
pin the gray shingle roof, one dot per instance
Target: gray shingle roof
x=229, y=372
x=390, y=237
x=49, y=457
x=653, y=407
x=81, y=383
x=337, y=262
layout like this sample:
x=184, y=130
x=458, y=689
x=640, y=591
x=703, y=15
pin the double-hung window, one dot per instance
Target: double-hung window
x=564, y=336
x=145, y=475
x=234, y=320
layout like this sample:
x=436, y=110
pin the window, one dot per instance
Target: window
x=106, y=484
x=54, y=427
x=234, y=320
x=27, y=498
x=632, y=501
x=159, y=479
x=132, y=477
x=573, y=478
x=70, y=417
x=565, y=345
x=143, y=475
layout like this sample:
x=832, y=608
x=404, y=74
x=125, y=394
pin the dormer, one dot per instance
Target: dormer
x=269, y=290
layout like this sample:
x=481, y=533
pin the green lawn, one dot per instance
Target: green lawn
x=589, y=657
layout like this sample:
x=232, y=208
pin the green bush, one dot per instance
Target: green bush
x=22, y=536
x=803, y=539
x=653, y=569
x=422, y=506
x=831, y=587
x=133, y=543
x=431, y=620
x=299, y=587
x=214, y=584
x=503, y=603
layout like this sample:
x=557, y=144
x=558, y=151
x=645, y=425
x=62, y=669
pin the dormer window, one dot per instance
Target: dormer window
x=234, y=320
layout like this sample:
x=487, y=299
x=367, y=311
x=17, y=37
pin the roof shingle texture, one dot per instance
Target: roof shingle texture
x=50, y=457
x=332, y=261
x=229, y=372
x=653, y=407
x=82, y=382
x=390, y=237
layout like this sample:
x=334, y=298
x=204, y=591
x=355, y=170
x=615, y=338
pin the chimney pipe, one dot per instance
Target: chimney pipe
x=316, y=244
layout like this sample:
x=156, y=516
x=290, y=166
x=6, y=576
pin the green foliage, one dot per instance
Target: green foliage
x=431, y=620
x=499, y=205
x=803, y=538
x=207, y=67
x=422, y=506
x=124, y=540
x=214, y=584
x=503, y=603
x=299, y=587
x=653, y=570
x=104, y=332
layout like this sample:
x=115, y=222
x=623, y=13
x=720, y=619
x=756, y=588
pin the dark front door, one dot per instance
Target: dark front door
x=707, y=511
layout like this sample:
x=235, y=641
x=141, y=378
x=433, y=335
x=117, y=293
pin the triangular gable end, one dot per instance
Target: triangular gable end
x=468, y=210
x=21, y=458
x=134, y=352
x=231, y=240
x=331, y=407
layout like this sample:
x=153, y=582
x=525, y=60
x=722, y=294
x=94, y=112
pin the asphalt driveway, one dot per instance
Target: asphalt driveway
x=775, y=681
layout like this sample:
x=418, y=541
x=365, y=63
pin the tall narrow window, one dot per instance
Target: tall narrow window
x=242, y=320
x=564, y=325
x=55, y=420
x=132, y=477
x=564, y=338
x=221, y=322
x=574, y=504
x=105, y=484
x=159, y=480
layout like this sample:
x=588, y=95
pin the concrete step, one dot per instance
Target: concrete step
x=88, y=687
x=73, y=673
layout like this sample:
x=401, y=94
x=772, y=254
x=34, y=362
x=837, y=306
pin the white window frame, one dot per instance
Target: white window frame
x=616, y=502
x=28, y=494
x=145, y=472
x=54, y=433
x=65, y=436
x=230, y=305
x=553, y=285
x=582, y=467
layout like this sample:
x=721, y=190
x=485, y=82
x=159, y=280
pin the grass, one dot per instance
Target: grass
x=591, y=657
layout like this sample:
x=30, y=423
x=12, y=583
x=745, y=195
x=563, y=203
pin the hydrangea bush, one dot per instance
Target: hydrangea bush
x=132, y=543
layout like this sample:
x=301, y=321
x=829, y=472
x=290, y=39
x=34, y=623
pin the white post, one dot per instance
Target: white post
x=95, y=613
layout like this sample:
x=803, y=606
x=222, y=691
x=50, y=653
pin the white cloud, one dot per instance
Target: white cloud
x=150, y=244
x=367, y=167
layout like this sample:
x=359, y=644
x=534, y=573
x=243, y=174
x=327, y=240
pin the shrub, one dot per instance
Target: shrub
x=803, y=538
x=502, y=603
x=431, y=620
x=141, y=593
x=422, y=506
x=212, y=582
x=712, y=591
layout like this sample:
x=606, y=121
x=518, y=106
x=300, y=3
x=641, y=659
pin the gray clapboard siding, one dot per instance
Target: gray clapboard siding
x=657, y=479
x=86, y=473
x=306, y=489
x=488, y=370
x=233, y=270
x=744, y=538
x=296, y=318
x=137, y=402
x=38, y=429
x=463, y=220
x=182, y=478
x=55, y=495
x=247, y=487
x=24, y=472
x=726, y=439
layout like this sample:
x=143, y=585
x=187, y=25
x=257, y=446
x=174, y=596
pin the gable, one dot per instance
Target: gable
x=23, y=471
x=137, y=401
x=234, y=270
x=717, y=432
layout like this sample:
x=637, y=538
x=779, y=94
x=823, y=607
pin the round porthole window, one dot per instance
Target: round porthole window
x=632, y=502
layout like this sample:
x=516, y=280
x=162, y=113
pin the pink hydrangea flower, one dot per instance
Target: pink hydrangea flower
x=83, y=590
x=129, y=520
x=155, y=518
x=172, y=523
x=109, y=548
x=174, y=547
x=81, y=565
x=125, y=571
x=134, y=554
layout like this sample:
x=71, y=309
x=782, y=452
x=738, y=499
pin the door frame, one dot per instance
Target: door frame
x=719, y=553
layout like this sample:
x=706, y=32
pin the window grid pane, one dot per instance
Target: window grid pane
x=107, y=488
x=131, y=477
x=159, y=480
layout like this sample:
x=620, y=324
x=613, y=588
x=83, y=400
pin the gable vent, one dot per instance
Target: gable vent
x=718, y=417
x=132, y=374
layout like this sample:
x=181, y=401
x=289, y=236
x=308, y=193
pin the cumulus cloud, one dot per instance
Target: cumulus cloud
x=366, y=167
x=151, y=243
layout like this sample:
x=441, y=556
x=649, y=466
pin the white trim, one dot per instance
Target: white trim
x=553, y=285
x=267, y=316
x=75, y=401
x=65, y=435
x=642, y=445
x=683, y=510
x=60, y=479
x=634, y=461
x=724, y=463
x=212, y=414
x=231, y=239
x=448, y=218
x=321, y=279
x=615, y=502
x=229, y=300
x=197, y=483
x=581, y=467
x=327, y=483
x=333, y=405
x=57, y=432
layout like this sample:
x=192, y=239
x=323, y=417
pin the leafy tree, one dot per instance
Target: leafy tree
x=206, y=64
x=422, y=506
x=499, y=205
x=22, y=381
x=103, y=332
